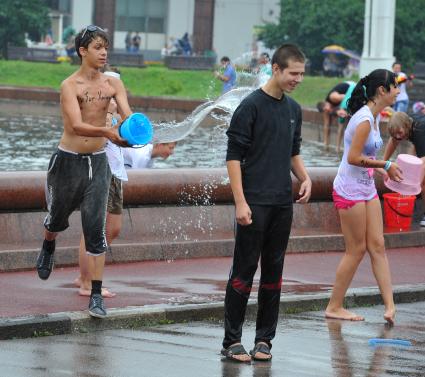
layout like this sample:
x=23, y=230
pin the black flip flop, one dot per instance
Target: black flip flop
x=263, y=348
x=235, y=350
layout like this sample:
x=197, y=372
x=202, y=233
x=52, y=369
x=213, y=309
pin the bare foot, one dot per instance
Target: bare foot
x=77, y=282
x=389, y=316
x=105, y=292
x=343, y=314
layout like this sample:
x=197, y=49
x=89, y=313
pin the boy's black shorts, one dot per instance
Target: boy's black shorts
x=79, y=180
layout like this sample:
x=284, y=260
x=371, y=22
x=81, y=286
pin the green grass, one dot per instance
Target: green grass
x=33, y=74
x=151, y=81
x=314, y=89
x=161, y=81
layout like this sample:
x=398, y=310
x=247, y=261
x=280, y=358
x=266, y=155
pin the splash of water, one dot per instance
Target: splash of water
x=248, y=79
x=201, y=197
x=172, y=131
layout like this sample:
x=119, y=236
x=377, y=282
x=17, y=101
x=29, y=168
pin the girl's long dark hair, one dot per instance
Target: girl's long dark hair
x=366, y=88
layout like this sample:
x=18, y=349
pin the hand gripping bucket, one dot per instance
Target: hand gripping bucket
x=398, y=210
x=136, y=129
x=413, y=174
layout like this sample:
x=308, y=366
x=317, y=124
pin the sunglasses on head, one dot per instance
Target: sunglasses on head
x=91, y=29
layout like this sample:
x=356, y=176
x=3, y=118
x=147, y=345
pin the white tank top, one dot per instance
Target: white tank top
x=354, y=182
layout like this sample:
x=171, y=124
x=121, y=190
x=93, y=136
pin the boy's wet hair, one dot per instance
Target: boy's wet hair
x=87, y=35
x=225, y=59
x=399, y=120
x=285, y=53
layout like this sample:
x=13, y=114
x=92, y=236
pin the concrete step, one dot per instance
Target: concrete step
x=14, y=257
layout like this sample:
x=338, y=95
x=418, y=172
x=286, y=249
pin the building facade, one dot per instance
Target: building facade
x=226, y=26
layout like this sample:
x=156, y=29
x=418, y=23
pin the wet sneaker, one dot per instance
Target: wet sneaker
x=96, y=306
x=422, y=222
x=45, y=263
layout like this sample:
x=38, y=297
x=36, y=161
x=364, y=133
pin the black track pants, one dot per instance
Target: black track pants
x=267, y=237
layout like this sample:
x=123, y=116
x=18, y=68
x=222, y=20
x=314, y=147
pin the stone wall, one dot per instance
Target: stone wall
x=179, y=213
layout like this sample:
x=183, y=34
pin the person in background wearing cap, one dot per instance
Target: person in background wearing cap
x=412, y=128
x=402, y=101
x=78, y=172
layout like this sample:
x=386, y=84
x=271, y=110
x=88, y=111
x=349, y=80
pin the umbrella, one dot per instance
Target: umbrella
x=339, y=50
x=333, y=49
x=352, y=54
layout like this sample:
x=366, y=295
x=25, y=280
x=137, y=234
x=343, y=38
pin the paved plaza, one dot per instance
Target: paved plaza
x=306, y=345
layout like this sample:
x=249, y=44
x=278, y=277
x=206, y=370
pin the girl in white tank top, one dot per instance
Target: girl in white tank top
x=355, y=197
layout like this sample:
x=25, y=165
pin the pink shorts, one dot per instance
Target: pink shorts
x=342, y=203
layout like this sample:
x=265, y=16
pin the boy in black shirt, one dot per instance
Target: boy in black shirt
x=264, y=140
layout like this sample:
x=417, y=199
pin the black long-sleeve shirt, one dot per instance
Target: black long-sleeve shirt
x=264, y=134
x=417, y=136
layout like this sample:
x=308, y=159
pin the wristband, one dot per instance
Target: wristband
x=387, y=165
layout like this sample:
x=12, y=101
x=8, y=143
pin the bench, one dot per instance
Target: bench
x=33, y=54
x=122, y=59
x=189, y=62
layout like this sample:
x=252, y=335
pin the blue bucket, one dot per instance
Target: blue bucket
x=136, y=129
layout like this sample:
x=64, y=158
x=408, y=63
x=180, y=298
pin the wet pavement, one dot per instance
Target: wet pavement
x=305, y=345
x=190, y=281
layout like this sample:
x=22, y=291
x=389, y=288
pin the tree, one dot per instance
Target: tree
x=313, y=24
x=409, y=38
x=18, y=17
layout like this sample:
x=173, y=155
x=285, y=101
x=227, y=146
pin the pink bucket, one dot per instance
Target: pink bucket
x=412, y=168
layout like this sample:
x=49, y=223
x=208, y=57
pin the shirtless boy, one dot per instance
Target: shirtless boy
x=78, y=173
